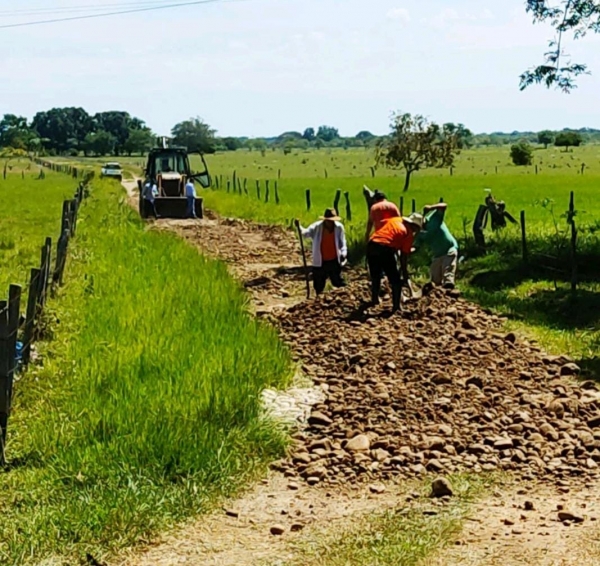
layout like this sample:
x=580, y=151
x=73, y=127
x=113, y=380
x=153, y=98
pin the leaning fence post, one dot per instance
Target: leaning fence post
x=276, y=187
x=524, y=238
x=32, y=300
x=336, y=200
x=4, y=372
x=267, y=190
x=74, y=209
x=573, y=243
x=43, y=270
x=348, y=207
x=307, y=199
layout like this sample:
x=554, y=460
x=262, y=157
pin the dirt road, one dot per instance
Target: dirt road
x=438, y=390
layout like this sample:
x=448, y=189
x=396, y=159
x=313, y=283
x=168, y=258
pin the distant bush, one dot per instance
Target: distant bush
x=521, y=153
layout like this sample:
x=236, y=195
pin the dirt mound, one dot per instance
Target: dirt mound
x=436, y=389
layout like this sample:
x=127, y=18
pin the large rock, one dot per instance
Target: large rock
x=441, y=487
x=360, y=443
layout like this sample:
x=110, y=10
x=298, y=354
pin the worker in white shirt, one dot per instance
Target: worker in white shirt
x=329, y=249
x=150, y=194
x=190, y=194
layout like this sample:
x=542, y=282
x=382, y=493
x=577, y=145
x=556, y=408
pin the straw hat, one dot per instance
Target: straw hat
x=415, y=218
x=331, y=214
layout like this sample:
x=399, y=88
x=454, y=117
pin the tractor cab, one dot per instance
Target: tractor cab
x=169, y=168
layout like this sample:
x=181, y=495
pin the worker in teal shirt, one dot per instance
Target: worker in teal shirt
x=442, y=243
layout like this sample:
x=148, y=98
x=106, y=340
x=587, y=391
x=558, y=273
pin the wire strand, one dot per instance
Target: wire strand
x=106, y=14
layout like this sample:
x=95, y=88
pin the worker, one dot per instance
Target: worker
x=329, y=249
x=395, y=235
x=150, y=194
x=190, y=195
x=442, y=243
x=381, y=210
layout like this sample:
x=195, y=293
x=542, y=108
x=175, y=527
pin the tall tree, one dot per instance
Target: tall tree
x=309, y=134
x=118, y=124
x=463, y=135
x=139, y=140
x=15, y=132
x=575, y=17
x=64, y=128
x=195, y=134
x=567, y=140
x=546, y=137
x=100, y=143
x=414, y=144
x=327, y=133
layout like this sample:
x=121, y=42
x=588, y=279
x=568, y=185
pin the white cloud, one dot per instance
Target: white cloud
x=400, y=14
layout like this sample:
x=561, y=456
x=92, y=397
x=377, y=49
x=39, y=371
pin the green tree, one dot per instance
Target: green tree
x=101, y=143
x=546, y=137
x=521, y=153
x=15, y=132
x=194, y=134
x=327, y=133
x=364, y=136
x=414, y=144
x=118, y=124
x=576, y=17
x=309, y=134
x=139, y=141
x=463, y=135
x=63, y=128
x=567, y=140
x=231, y=144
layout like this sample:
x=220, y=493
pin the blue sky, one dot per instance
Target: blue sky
x=261, y=67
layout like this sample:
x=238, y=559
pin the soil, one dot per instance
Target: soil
x=438, y=388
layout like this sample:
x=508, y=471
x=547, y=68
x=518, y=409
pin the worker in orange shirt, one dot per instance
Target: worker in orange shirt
x=395, y=235
x=381, y=210
x=329, y=249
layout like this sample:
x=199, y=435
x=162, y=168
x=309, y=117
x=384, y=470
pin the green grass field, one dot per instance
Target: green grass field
x=535, y=300
x=32, y=211
x=147, y=403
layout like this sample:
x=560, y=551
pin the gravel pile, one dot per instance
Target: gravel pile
x=437, y=389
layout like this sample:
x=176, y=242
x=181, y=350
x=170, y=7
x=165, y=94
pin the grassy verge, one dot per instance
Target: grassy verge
x=31, y=212
x=147, y=403
x=402, y=537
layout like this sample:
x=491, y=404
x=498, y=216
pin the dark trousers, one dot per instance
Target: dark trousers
x=331, y=270
x=150, y=208
x=382, y=260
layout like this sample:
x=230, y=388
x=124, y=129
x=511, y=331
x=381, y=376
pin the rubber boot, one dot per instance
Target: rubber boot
x=396, y=297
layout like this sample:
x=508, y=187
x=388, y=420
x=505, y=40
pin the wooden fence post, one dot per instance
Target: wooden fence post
x=573, y=243
x=258, y=189
x=217, y=182
x=234, y=184
x=307, y=199
x=228, y=185
x=64, y=225
x=14, y=314
x=4, y=365
x=276, y=187
x=336, y=200
x=326, y=175
x=348, y=207
x=74, y=211
x=267, y=190
x=414, y=206
x=239, y=184
x=279, y=173
x=45, y=259
x=32, y=301
x=524, y=238
x=372, y=171
x=245, y=186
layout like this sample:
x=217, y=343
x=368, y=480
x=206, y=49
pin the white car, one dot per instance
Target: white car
x=113, y=170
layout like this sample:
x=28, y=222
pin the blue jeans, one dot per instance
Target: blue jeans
x=191, y=207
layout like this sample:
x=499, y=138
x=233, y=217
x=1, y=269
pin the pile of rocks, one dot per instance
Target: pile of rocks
x=437, y=389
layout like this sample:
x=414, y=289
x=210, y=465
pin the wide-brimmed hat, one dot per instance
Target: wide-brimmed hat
x=331, y=214
x=415, y=218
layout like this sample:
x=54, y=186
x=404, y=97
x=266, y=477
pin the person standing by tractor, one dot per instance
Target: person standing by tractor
x=329, y=249
x=442, y=243
x=381, y=210
x=395, y=235
x=150, y=194
x=190, y=195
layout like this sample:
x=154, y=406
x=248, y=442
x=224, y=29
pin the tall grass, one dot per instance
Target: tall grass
x=148, y=402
